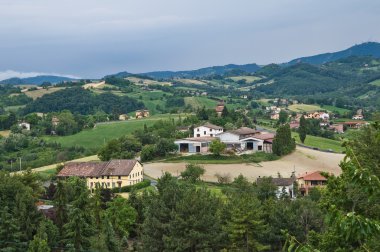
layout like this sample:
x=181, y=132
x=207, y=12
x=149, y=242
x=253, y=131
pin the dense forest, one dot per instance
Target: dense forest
x=82, y=101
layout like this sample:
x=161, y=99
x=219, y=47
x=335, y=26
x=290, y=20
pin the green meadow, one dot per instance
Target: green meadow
x=94, y=138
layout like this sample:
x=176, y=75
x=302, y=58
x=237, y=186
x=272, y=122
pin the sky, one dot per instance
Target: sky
x=93, y=38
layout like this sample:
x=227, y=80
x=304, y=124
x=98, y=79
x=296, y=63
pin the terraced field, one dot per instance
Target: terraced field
x=199, y=102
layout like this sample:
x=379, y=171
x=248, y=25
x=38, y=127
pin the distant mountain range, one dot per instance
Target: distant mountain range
x=364, y=49
x=38, y=80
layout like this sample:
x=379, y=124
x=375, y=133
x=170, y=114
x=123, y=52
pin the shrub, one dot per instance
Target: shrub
x=143, y=184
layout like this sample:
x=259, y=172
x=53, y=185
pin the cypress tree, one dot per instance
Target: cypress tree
x=302, y=129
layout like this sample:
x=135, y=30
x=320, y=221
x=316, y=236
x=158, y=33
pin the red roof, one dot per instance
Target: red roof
x=313, y=176
x=266, y=136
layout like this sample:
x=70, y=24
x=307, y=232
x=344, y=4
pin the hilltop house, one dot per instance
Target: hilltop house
x=219, y=109
x=337, y=128
x=110, y=174
x=123, y=117
x=207, y=130
x=284, y=185
x=24, y=125
x=309, y=180
x=142, y=113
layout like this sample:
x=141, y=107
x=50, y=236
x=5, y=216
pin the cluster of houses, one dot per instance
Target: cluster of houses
x=305, y=183
x=240, y=140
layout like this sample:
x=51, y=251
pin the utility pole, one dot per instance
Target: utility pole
x=20, y=163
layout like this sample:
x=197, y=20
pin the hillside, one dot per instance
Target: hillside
x=38, y=80
x=202, y=72
x=365, y=49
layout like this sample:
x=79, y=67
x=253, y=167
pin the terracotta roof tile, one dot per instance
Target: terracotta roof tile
x=313, y=176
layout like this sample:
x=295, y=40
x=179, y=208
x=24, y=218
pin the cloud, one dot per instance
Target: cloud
x=12, y=74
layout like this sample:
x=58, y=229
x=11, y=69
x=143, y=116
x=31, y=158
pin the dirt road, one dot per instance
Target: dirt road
x=302, y=160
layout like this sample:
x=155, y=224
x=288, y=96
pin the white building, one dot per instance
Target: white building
x=207, y=130
x=24, y=125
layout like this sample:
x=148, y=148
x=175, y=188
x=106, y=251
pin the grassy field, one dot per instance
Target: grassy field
x=139, y=81
x=40, y=92
x=95, y=138
x=5, y=133
x=150, y=99
x=320, y=142
x=248, y=79
x=333, y=109
x=14, y=108
x=304, y=107
x=199, y=102
x=375, y=83
x=191, y=81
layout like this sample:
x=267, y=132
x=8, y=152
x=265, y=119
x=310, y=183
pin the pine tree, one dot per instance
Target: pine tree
x=60, y=204
x=10, y=233
x=283, y=142
x=302, y=129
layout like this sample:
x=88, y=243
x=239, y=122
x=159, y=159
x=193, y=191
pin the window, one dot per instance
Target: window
x=102, y=177
x=113, y=184
x=210, y=129
x=91, y=184
x=260, y=147
x=119, y=177
x=198, y=129
x=204, y=132
x=96, y=177
x=108, y=177
x=211, y=135
x=90, y=177
x=108, y=184
x=198, y=135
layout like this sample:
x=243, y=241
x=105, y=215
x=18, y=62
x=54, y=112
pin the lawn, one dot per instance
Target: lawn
x=320, y=142
x=95, y=138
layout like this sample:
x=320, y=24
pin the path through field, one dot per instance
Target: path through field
x=302, y=160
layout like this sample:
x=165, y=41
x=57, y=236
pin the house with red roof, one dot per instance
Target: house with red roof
x=308, y=181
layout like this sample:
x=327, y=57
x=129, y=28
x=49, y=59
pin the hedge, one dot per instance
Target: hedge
x=140, y=185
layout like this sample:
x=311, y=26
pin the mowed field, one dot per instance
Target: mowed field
x=304, y=107
x=34, y=94
x=320, y=142
x=302, y=160
x=199, y=102
x=248, y=79
x=102, y=133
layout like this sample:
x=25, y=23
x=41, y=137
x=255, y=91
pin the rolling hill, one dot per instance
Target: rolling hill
x=38, y=80
x=364, y=49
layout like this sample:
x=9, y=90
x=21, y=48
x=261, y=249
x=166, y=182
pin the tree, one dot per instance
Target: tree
x=124, y=147
x=148, y=153
x=266, y=189
x=283, y=143
x=60, y=203
x=217, y=147
x=244, y=226
x=121, y=216
x=283, y=117
x=192, y=173
x=302, y=130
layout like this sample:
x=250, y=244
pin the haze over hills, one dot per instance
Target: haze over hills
x=364, y=49
x=37, y=80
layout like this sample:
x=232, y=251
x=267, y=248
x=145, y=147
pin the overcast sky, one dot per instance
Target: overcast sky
x=92, y=38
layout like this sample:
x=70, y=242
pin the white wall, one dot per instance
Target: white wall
x=202, y=131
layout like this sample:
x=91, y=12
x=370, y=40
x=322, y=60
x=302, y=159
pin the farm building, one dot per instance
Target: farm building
x=219, y=109
x=142, y=113
x=110, y=174
x=24, y=125
x=123, y=117
x=194, y=144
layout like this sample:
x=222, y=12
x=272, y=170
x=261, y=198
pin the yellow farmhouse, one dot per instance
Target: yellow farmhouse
x=110, y=174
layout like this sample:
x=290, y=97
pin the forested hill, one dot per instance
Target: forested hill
x=365, y=49
x=203, y=72
x=83, y=101
x=353, y=77
x=38, y=80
